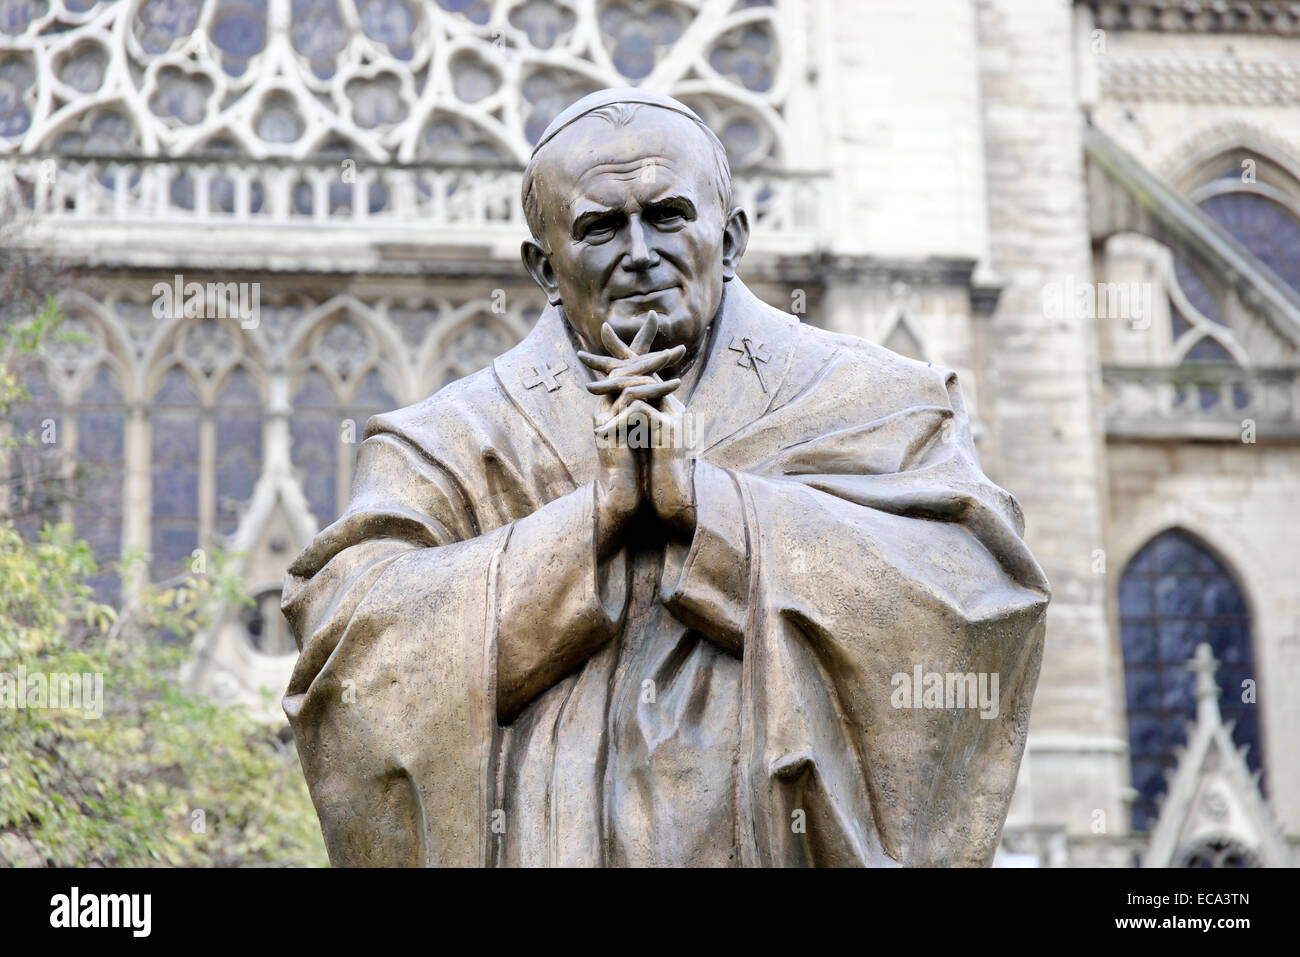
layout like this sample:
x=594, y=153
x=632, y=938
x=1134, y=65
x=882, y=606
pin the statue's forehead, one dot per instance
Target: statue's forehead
x=581, y=153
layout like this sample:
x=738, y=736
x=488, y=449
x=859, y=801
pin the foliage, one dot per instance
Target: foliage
x=163, y=776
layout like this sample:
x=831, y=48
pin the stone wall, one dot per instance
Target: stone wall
x=1042, y=395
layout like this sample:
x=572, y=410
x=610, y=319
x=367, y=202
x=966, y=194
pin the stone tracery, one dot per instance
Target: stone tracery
x=391, y=80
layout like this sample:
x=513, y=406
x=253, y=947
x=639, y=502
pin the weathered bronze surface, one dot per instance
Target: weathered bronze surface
x=674, y=580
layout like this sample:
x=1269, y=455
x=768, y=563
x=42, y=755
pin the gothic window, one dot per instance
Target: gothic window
x=100, y=457
x=315, y=428
x=206, y=449
x=176, y=417
x=238, y=420
x=472, y=345
x=1265, y=219
x=340, y=388
x=1172, y=596
x=69, y=464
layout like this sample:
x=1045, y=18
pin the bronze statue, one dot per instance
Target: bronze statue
x=641, y=592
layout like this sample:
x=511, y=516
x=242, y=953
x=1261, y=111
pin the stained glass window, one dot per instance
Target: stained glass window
x=1172, y=596
x=238, y=418
x=175, y=417
x=315, y=429
x=101, y=468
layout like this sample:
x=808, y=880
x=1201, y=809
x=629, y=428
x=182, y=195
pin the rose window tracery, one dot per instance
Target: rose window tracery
x=393, y=80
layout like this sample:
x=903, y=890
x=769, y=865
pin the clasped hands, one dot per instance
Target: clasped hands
x=639, y=433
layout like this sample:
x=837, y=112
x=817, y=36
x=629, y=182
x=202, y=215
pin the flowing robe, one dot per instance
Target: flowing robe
x=741, y=706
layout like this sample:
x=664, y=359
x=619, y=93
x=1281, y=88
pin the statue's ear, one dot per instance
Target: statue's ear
x=735, y=238
x=539, y=267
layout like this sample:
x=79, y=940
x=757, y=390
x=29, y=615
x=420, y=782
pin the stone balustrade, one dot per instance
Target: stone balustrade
x=1207, y=401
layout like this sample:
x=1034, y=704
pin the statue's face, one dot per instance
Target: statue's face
x=633, y=223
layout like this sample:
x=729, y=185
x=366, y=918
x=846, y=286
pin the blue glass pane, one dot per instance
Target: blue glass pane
x=1148, y=777
x=318, y=33
x=390, y=22
x=1228, y=639
x=100, y=436
x=1177, y=554
x=102, y=389
x=314, y=392
x=1139, y=640
x=174, y=419
x=161, y=22
x=1178, y=639
x=239, y=392
x=1177, y=693
x=316, y=445
x=1207, y=349
x=1146, y=737
x=175, y=390
x=1141, y=687
x=239, y=463
x=1135, y=599
x=173, y=544
x=373, y=396
x=100, y=473
x=239, y=29
x=1175, y=734
x=1223, y=598
x=1143, y=561
x=1178, y=596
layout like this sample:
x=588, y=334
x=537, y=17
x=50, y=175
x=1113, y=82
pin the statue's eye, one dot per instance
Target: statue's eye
x=600, y=229
x=665, y=216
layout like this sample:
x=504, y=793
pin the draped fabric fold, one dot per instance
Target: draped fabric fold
x=737, y=706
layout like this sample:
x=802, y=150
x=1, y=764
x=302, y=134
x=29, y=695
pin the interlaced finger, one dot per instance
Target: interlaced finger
x=641, y=365
x=618, y=383
x=616, y=346
x=652, y=390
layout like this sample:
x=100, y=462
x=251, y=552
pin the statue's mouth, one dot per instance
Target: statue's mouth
x=647, y=294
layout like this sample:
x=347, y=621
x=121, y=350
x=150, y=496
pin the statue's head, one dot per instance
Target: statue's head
x=628, y=197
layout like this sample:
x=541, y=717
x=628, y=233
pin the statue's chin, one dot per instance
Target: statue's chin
x=676, y=325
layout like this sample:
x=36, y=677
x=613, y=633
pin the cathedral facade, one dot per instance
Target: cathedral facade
x=274, y=218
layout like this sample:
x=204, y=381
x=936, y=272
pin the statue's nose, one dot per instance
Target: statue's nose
x=640, y=256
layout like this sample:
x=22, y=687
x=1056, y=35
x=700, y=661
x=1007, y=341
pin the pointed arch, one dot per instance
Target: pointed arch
x=1174, y=593
x=1206, y=153
x=467, y=341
